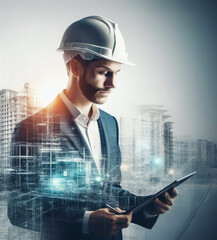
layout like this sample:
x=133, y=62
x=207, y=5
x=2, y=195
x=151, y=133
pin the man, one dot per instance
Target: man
x=69, y=168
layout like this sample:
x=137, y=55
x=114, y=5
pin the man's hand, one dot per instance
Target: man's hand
x=163, y=204
x=104, y=222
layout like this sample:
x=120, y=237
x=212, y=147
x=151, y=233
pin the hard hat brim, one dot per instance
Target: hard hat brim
x=110, y=58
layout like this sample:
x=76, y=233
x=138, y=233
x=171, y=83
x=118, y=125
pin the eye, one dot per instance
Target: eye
x=103, y=72
x=107, y=73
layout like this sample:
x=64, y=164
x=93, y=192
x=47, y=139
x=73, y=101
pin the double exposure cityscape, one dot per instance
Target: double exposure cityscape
x=152, y=156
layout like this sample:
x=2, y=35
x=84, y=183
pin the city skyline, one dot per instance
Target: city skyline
x=147, y=138
x=148, y=146
x=46, y=96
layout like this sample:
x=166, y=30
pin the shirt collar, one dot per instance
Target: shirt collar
x=77, y=114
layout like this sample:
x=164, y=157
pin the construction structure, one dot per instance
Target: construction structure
x=168, y=147
x=207, y=153
x=15, y=106
x=146, y=141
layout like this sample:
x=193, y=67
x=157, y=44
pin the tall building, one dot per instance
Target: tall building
x=147, y=144
x=14, y=107
x=185, y=155
x=195, y=155
x=152, y=132
x=168, y=148
x=207, y=153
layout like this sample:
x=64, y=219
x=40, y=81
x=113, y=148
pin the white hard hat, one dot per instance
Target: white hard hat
x=93, y=37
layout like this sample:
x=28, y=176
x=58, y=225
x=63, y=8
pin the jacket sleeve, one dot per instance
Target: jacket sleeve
x=28, y=206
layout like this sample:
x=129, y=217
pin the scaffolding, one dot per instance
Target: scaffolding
x=14, y=107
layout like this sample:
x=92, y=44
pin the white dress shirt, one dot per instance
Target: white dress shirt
x=90, y=131
x=88, y=127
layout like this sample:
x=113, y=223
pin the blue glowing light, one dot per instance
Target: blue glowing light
x=157, y=161
x=56, y=181
x=98, y=179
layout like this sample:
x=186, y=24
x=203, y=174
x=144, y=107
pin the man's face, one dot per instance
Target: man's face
x=98, y=79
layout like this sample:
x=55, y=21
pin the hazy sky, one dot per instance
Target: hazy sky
x=172, y=43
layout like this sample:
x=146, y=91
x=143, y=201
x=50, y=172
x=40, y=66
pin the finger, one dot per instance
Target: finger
x=160, y=204
x=108, y=210
x=120, y=210
x=118, y=219
x=168, y=199
x=158, y=209
x=129, y=216
x=174, y=192
x=112, y=212
x=119, y=227
x=114, y=229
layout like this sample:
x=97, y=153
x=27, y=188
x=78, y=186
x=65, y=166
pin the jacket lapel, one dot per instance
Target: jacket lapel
x=72, y=134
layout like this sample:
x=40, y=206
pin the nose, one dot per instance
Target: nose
x=110, y=81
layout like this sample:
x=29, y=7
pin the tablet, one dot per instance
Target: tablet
x=145, y=202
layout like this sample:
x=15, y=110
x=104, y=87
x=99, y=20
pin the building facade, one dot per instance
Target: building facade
x=147, y=145
x=14, y=107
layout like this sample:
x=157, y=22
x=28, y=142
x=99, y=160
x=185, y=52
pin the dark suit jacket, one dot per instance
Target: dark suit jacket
x=55, y=179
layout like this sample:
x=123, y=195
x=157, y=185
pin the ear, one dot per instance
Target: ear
x=74, y=67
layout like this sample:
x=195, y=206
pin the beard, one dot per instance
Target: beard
x=91, y=92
